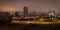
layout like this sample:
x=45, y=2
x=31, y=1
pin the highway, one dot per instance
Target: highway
x=35, y=22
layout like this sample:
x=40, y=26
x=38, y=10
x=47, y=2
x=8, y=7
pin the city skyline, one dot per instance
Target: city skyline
x=33, y=5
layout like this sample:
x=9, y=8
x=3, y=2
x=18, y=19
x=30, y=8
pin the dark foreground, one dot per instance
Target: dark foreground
x=29, y=27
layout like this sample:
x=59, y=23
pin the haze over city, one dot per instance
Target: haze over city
x=33, y=5
x=29, y=14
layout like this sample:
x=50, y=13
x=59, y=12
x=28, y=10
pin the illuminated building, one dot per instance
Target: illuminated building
x=51, y=13
x=25, y=9
x=18, y=14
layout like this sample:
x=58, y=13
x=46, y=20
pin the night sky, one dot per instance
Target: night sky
x=33, y=5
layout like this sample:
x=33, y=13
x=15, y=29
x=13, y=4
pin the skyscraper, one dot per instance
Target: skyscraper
x=25, y=9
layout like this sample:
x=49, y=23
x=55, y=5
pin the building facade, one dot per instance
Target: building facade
x=25, y=9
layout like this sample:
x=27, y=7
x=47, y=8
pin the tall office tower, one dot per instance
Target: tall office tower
x=25, y=11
